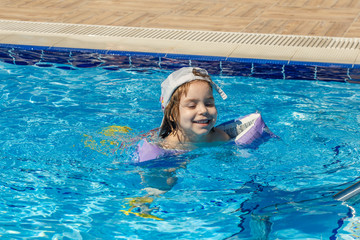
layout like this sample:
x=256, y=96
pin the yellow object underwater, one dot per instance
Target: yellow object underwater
x=108, y=141
x=107, y=146
x=140, y=202
x=112, y=130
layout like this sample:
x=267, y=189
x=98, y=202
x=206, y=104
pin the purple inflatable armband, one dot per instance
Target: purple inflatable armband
x=247, y=131
x=148, y=151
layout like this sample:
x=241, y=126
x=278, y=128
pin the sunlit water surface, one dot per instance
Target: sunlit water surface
x=67, y=172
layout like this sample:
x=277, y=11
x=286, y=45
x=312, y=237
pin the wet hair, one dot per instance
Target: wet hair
x=170, y=123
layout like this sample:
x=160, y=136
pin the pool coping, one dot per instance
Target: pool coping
x=167, y=42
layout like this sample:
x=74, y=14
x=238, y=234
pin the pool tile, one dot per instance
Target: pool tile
x=335, y=74
x=268, y=71
x=354, y=74
x=145, y=61
x=85, y=60
x=236, y=68
x=5, y=56
x=61, y=57
x=29, y=56
x=299, y=72
x=213, y=67
x=115, y=60
x=174, y=63
x=19, y=56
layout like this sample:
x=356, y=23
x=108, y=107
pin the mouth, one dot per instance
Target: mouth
x=206, y=121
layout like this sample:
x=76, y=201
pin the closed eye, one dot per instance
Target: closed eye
x=192, y=106
x=192, y=103
x=210, y=104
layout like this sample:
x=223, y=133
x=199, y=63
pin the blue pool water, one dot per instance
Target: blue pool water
x=66, y=171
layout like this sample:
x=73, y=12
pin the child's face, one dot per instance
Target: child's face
x=197, y=112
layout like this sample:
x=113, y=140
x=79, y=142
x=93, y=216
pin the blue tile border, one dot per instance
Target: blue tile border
x=69, y=58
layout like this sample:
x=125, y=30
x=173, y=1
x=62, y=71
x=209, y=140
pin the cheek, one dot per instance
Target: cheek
x=214, y=112
x=214, y=116
x=185, y=115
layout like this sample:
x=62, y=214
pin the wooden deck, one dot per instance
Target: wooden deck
x=334, y=18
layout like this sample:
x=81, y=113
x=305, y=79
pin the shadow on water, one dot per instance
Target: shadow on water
x=269, y=211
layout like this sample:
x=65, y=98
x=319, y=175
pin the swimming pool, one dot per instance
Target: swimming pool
x=66, y=169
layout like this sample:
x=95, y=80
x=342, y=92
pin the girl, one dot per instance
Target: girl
x=189, y=119
x=189, y=109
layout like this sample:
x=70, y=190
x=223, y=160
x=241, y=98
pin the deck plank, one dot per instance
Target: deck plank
x=336, y=18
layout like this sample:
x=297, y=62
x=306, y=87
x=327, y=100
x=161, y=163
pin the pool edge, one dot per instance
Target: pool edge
x=265, y=47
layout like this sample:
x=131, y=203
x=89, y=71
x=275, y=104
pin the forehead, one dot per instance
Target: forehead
x=199, y=83
x=198, y=88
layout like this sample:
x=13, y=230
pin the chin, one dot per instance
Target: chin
x=202, y=132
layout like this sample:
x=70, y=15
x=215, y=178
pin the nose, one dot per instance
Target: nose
x=202, y=109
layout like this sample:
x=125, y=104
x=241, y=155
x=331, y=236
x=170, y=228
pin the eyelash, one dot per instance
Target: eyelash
x=206, y=104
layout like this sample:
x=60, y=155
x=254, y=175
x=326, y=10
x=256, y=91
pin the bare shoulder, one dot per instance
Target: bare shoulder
x=220, y=136
x=170, y=142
